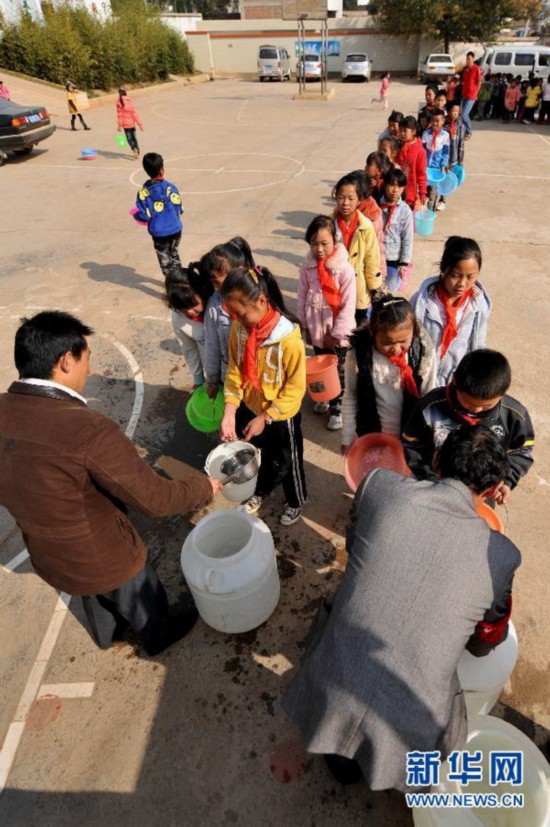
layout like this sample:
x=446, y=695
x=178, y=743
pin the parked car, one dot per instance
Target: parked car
x=356, y=65
x=436, y=67
x=22, y=128
x=516, y=59
x=309, y=67
x=273, y=63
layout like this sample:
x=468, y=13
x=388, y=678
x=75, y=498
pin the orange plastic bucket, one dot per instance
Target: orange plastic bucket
x=490, y=516
x=323, y=382
x=374, y=451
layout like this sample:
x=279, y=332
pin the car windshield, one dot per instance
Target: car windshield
x=268, y=54
x=440, y=59
x=356, y=58
x=311, y=59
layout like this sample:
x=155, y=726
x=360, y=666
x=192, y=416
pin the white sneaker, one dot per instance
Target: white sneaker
x=252, y=505
x=321, y=407
x=441, y=206
x=335, y=423
x=291, y=515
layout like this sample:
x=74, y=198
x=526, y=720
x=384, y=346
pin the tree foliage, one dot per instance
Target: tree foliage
x=448, y=20
x=134, y=46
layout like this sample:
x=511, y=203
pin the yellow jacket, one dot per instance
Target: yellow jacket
x=364, y=256
x=281, y=368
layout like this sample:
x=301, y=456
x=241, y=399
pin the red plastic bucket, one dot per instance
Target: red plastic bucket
x=374, y=451
x=323, y=382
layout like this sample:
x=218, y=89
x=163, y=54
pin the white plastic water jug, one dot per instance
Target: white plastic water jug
x=234, y=492
x=229, y=563
x=487, y=733
x=482, y=679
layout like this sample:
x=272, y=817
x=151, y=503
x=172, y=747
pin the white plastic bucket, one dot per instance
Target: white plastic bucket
x=483, y=679
x=229, y=563
x=486, y=734
x=235, y=493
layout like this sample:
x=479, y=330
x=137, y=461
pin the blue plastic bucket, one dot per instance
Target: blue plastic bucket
x=460, y=173
x=435, y=176
x=424, y=222
x=448, y=185
x=88, y=154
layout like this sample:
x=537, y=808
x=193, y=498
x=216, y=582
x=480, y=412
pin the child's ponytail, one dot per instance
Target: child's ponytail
x=121, y=94
x=254, y=282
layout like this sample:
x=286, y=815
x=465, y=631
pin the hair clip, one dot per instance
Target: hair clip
x=253, y=275
x=393, y=300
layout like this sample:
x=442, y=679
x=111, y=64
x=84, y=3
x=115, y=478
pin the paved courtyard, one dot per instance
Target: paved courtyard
x=197, y=735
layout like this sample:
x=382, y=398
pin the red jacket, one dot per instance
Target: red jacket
x=471, y=78
x=126, y=115
x=412, y=160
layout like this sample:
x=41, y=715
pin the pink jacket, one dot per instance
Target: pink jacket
x=313, y=310
x=126, y=115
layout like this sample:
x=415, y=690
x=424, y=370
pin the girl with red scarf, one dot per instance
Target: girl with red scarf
x=186, y=294
x=454, y=306
x=436, y=142
x=326, y=303
x=390, y=364
x=265, y=384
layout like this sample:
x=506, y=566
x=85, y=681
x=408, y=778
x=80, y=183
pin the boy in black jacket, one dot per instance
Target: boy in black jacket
x=475, y=396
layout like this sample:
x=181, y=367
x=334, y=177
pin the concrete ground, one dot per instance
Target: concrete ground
x=197, y=735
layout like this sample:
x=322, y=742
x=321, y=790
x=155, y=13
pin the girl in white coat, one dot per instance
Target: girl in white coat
x=186, y=296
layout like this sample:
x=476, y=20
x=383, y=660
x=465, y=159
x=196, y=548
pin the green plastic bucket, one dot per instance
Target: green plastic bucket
x=205, y=414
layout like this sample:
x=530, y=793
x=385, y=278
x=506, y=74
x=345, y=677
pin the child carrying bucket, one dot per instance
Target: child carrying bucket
x=390, y=364
x=264, y=386
x=186, y=294
x=127, y=120
x=326, y=303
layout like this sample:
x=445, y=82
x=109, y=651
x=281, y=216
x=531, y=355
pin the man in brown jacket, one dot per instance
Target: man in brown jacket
x=67, y=475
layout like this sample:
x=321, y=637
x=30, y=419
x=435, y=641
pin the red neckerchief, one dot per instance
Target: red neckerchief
x=407, y=377
x=390, y=209
x=452, y=399
x=451, y=328
x=159, y=177
x=452, y=128
x=331, y=292
x=435, y=135
x=347, y=232
x=369, y=208
x=256, y=335
x=198, y=318
x=229, y=313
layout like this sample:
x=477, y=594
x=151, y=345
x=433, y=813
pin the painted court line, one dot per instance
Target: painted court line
x=17, y=560
x=66, y=690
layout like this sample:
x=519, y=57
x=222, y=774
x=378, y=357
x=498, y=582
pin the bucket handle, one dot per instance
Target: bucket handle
x=208, y=579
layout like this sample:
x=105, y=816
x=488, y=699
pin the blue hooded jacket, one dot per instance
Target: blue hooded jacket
x=159, y=205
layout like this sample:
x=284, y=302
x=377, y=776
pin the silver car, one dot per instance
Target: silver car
x=436, y=67
x=356, y=65
x=309, y=67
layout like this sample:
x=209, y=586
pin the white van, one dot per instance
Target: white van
x=273, y=62
x=516, y=60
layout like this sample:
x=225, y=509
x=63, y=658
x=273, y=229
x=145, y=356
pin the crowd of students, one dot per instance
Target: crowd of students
x=416, y=369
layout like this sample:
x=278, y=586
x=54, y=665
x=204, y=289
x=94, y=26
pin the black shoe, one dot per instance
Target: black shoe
x=156, y=641
x=73, y=128
x=87, y=127
x=344, y=770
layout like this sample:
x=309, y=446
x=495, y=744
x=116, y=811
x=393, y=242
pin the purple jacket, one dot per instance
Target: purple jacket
x=313, y=310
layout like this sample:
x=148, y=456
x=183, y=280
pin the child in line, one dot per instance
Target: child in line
x=384, y=88
x=457, y=133
x=532, y=97
x=371, y=210
x=359, y=238
x=376, y=165
x=214, y=267
x=187, y=293
x=158, y=204
x=390, y=364
x=440, y=101
x=265, y=385
x=390, y=147
x=430, y=92
x=424, y=122
x=436, y=142
x=453, y=88
x=412, y=160
x=128, y=119
x=398, y=228
x=477, y=396
x=454, y=306
x=392, y=129
x=326, y=303
x=544, y=114
x=511, y=100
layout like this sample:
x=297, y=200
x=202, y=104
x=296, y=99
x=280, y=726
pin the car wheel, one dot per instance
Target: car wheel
x=261, y=80
x=25, y=151
x=2, y=159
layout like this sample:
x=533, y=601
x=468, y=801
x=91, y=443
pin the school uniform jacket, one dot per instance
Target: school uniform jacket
x=456, y=148
x=434, y=418
x=217, y=324
x=379, y=677
x=398, y=233
x=67, y=476
x=472, y=327
x=437, y=149
x=281, y=364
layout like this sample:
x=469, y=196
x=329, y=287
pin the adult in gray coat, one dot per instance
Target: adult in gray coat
x=426, y=577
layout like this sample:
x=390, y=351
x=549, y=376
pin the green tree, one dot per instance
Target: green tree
x=449, y=20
